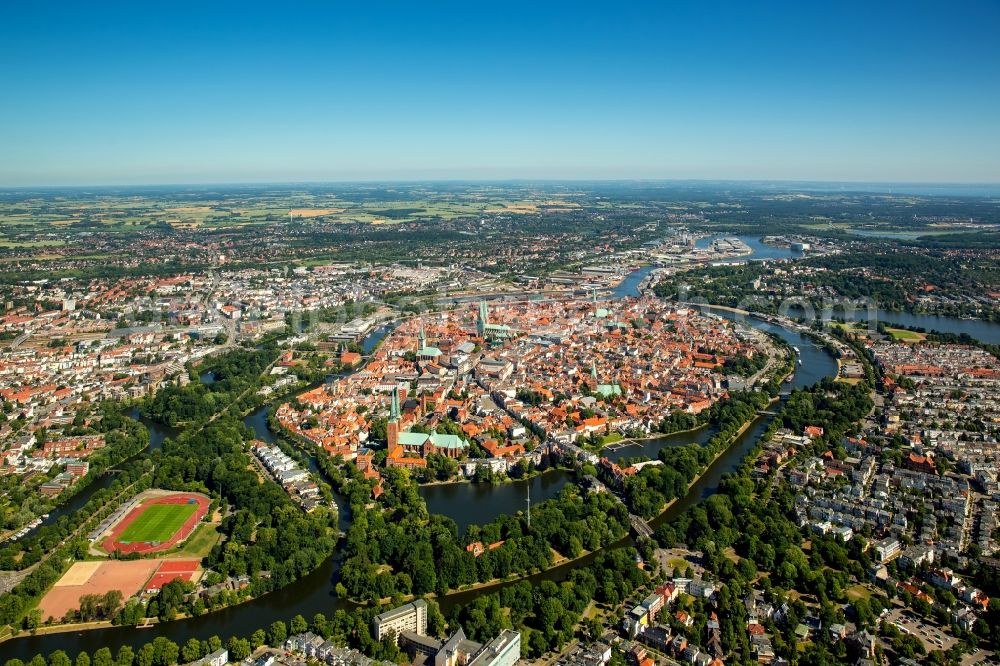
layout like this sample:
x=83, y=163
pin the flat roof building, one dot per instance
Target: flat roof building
x=504, y=650
x=408, y=617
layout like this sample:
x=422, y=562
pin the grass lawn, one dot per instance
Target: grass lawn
x=903, y=335
x=851, y=327
x=200, y=543
x=158, y=522
x=858, y=592
x=678, y=563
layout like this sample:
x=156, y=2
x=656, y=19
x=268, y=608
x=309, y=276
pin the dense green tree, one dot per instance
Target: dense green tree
x=192, y=650
x=277, y=633
x=257, y=638
x=298, y=625
x=239, y=648
x=125, y=656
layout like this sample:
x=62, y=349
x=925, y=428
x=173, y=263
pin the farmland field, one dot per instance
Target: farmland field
x=158, y=522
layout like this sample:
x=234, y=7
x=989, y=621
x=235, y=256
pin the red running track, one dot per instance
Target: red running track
x=171, y=570
x=111, y=543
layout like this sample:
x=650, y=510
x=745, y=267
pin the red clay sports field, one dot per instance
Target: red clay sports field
x=114, y=541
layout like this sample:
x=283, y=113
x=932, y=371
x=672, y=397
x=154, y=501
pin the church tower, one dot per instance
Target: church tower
x=483, y=320
x=392, y=427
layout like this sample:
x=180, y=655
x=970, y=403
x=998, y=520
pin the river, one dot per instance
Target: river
x=371, y=341
x=760, y=251
x=465, y=503
x=815, y=364
x=984, y=331
x=157, y=433
x=630, y=285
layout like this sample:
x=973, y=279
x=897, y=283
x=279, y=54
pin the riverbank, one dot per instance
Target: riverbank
x=708, y=466
x=77, y=495
x=499, y=482
x=725, y=308
x=69, y=627
x=626, y=442
x=564, y=562
x=46, y=630
x=560, y=561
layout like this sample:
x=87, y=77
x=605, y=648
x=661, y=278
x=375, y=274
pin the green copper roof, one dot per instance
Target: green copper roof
x=483, y=319
x=607, y=390
x=441, y=441
x=394, y=411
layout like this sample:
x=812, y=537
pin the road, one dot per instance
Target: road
x=20, y=340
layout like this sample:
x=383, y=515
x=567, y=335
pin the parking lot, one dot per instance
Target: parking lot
x=930, y=634
x=979, y=657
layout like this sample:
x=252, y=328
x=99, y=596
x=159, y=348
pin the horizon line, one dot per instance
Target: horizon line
x=516, y=179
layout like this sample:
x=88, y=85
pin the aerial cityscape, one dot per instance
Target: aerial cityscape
x=478, y=350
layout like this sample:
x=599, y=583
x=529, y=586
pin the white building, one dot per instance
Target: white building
x=408, y=617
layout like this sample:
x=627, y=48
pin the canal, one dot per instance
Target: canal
x=706, y=486
x=157, y=433
x=465, y=503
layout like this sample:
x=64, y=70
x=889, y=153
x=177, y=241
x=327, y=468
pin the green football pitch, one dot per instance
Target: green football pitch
x=158, y=522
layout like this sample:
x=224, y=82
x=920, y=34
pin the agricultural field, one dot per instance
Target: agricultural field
x=200, y=208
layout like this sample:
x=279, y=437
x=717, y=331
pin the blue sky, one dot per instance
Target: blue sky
x=105, y=93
